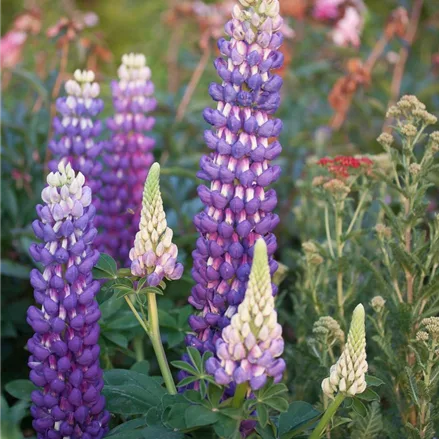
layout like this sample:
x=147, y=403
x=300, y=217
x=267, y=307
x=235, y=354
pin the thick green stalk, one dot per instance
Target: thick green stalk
x=338, y=236
x=154, y=335
x=327, y=416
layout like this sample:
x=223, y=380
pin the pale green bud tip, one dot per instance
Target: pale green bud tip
x=348, y=374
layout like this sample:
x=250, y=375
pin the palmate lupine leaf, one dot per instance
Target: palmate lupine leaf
x=371, y=425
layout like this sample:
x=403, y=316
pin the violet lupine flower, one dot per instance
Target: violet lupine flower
x=127, y=158
x=250, y=347
x=64, y=358
x=239, y=207
x=154, y=255
x=77, y=129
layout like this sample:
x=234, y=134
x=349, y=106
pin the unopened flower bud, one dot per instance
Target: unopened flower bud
x=385, y=139
x=383, y=231
x=422, y=336
x=378, y=303
x=415, y=169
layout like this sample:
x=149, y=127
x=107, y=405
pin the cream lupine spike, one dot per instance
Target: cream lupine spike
x=132, y=69
x=250, y=347
x=347, y=376
x=154, y=255
x=82, y=86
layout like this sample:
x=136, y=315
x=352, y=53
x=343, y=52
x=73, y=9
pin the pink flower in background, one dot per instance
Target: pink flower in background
x=326, y=9
x=348, y=28
x=11, y=46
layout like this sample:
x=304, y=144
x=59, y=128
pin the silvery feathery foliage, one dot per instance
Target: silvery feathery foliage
x=238, y=205
x=154, y=255
x=348, y=374
x=127, y=157
x=77, y=129
x=64, y=358
x=250, y=346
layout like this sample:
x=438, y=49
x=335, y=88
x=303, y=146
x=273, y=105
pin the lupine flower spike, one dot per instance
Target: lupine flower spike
x=127, y=157
x=154, y=255
x=77, y=130
x=347, y=376
x=250, y=347
x=239, y=208
x=64, y=358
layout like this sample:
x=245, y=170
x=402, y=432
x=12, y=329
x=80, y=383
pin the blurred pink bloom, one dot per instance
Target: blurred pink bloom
x=326, y=9
x=348, y=28
x=11, y=45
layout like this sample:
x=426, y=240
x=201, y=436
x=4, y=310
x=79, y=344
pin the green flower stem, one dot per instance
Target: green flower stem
x=136, y=314
x=327, y=416
x=240, y=394
x=357, y=211
x=338, y=235
x=156, y=340
x=138, y=347
x=328, y=232
x=425, y=411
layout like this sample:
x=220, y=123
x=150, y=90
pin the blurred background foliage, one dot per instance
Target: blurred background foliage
x=180, y=50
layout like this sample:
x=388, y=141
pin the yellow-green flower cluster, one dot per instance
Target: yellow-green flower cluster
x=154, y=255
x=347, y=376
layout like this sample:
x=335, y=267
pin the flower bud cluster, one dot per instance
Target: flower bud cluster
x=348, y=374
x=250, y=347
x=127, y=157
x=411, y=109
x=312, y=254
x=238, y=205
x=64, y=358
x=329, y=329
x=154, y=255
x=77, y=129
x=378, y=303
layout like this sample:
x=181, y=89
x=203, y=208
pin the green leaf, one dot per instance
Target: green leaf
x=214, y=393
x=117, y=338
x=227, y=427
x=153, y=290
x=130, y=393
x=186, y=381
x=110, y=306
x=275, y=389
x=184, y=366
x=298, y=414
x=14, y=269
x=33, y=80
x=175, y=417
x=20, y=389
x=265, y=432
x=128, y=430
x=124, y=322
x=106, y=268
x=373, y=381
x=198, y=415
x=278, y=403
x=359, y=407
x=195, y=356
x=141, y=367
x=159, y=432
x=369, y=395
x=262, y=414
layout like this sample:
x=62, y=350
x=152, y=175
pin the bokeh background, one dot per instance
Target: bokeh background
x=335, y=98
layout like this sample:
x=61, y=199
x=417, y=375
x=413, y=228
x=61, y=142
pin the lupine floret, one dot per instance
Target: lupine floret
x=154, y=255
x=250, y=347
x=127, y=157
x=64, y=358
x=238, y=205
x=348, y=374
x=77, y=129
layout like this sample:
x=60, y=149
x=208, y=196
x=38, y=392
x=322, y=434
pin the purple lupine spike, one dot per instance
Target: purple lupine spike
x=239, y=207
x=64, y=358
x=128, y=158
x=77, y=129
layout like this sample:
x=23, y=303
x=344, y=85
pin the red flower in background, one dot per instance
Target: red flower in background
x=341, y=166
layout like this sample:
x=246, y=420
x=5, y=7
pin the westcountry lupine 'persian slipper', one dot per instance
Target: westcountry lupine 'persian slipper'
x=154, y=255
x=64, y=358
x=348, y=374
x=127, y=158
x=77, y=130
x=250, y=347
x=239, y=207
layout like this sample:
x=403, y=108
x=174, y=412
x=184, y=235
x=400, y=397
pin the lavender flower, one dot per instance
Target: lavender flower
x=77, y=129
x=64, y=358
x=127, y=158
x=250, y=347
x=238, y=206
x=154, y=255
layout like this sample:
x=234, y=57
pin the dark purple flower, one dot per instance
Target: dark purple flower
x=64, y=358
x=127, y=157
x=238, y=203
